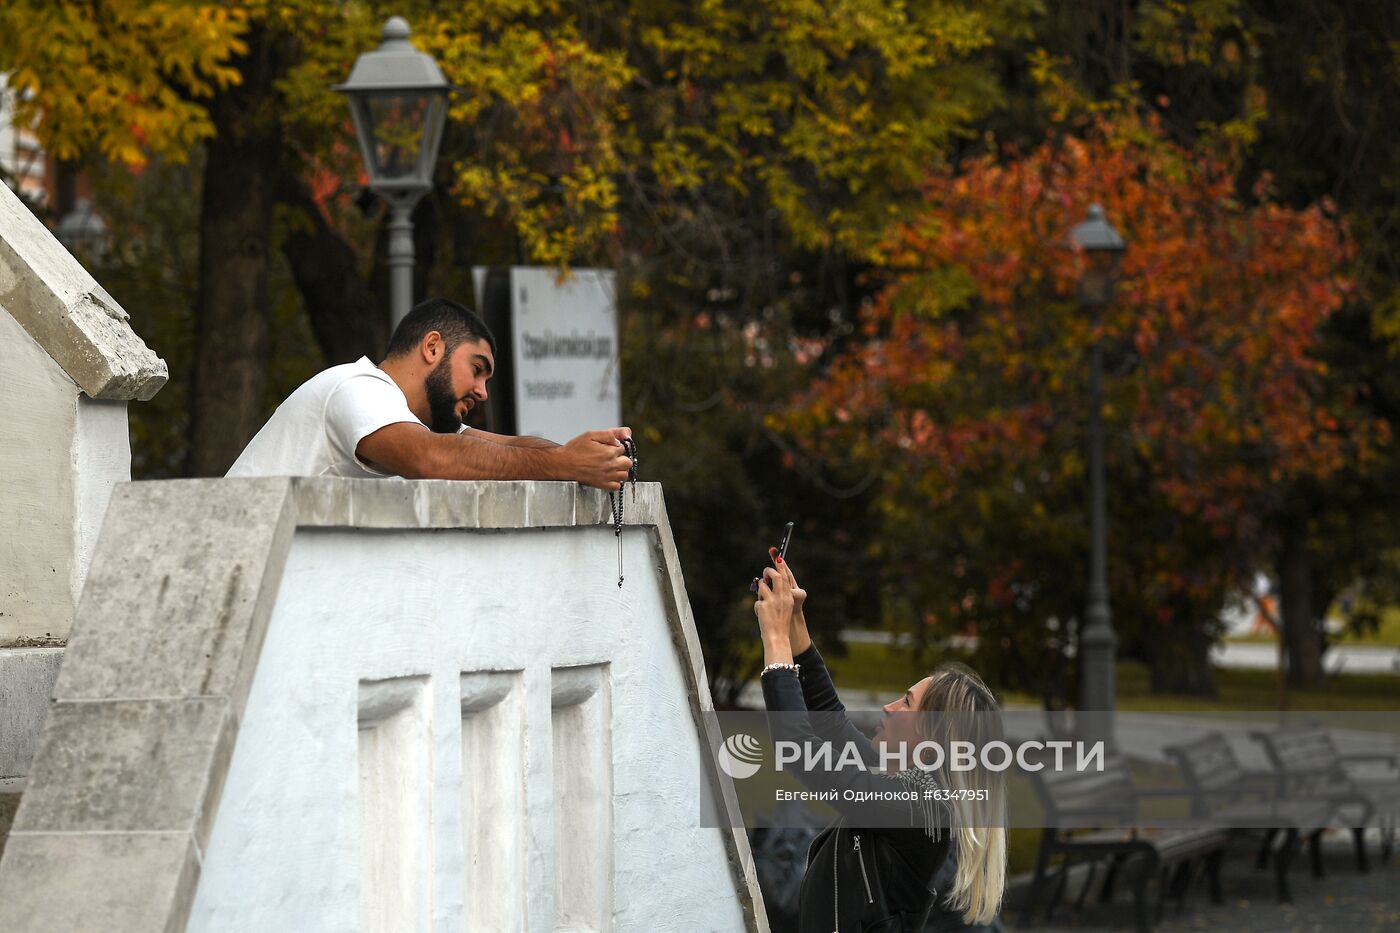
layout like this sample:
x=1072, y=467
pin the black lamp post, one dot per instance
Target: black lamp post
x=398, y=98
x=1098, y=644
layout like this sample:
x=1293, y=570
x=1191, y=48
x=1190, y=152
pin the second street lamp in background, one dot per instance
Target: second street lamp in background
x=83, y=232
x=1098, y=644
x=398, y=98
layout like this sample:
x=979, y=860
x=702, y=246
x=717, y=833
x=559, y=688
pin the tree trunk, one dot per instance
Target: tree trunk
x=1301, y=633
x=1180, y=664
x=235, y=227
x=348, y=319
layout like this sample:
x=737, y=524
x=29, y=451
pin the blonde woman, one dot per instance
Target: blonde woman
x=873, y=870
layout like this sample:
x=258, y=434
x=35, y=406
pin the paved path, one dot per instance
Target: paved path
x=1349, y=659
x=1342, y=901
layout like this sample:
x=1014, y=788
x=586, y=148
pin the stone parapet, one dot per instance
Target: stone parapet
x=115, y=824
x=27, y=678
x=67, y=313
x=71, y=362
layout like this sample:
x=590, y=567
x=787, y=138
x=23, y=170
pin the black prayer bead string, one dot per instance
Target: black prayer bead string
x=629, y=448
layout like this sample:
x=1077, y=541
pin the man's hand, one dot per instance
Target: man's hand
x=596, y=459
x=619, y=434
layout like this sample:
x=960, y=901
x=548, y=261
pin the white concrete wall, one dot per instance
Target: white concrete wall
x=290, y=842
x=496, y=756
x=63, y=343
x=396, y=805
x=39, y=573
x=101, y=459
x=60, y=455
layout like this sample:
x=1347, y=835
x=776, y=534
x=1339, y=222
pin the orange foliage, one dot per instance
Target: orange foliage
x=969, y=384
x=979, y=347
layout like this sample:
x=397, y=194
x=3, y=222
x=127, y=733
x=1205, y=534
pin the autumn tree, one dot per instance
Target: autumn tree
x=1305, y=95
x=969, y=394
x=735, y=163
x=1312, y=88
x=610, y=133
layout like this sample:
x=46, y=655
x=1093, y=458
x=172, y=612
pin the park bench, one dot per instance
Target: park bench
x=1306, y=761
x=1248, y=803
x=1091, y=817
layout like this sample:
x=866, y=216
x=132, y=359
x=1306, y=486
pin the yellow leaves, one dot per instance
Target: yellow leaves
x=1385, y=320
x=677, y=165
x=27, y=79
x=120, y=78
x=820, y=108
x=554, y=228
x=1059, y=93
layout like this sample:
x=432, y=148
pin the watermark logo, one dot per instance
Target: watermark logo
x=996, y=755
x=741, y=756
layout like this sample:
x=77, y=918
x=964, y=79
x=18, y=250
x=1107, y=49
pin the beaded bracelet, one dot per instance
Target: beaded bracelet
x=795, y=668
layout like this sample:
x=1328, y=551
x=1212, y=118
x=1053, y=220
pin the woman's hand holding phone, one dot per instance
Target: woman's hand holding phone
x=774, y=611
x=797, y=634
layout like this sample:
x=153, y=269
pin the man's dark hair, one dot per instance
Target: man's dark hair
x=456, y=324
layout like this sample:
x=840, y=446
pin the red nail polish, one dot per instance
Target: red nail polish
x=780, y=560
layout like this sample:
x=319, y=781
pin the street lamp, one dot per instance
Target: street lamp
x=82, y=231
x=398, y=99
x=1098, y=644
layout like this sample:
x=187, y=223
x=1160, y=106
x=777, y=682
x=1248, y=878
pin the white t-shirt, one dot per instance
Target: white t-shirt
x=316, y=430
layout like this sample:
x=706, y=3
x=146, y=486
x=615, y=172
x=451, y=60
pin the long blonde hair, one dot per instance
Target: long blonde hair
x=979, y=839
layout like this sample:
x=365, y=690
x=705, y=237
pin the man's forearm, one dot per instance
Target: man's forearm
x=465, y=456
x=527, y=442
x=510, y=440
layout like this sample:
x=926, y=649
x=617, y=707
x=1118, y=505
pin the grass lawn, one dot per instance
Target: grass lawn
x=890, y=670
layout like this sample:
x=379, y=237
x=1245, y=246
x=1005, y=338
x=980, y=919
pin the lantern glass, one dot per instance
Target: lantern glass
x=396, y=124
x=1100, y=275
x=400, y=133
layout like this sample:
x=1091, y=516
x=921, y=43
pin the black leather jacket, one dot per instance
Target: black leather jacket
x=861, y=878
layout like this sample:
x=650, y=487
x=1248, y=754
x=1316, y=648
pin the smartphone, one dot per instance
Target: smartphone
x=782, y=552
x=787, y=536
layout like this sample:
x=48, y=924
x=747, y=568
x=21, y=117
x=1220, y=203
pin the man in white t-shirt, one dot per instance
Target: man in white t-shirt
x=404, y=417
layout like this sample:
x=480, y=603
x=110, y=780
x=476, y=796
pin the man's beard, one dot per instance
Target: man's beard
x=442, y=402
